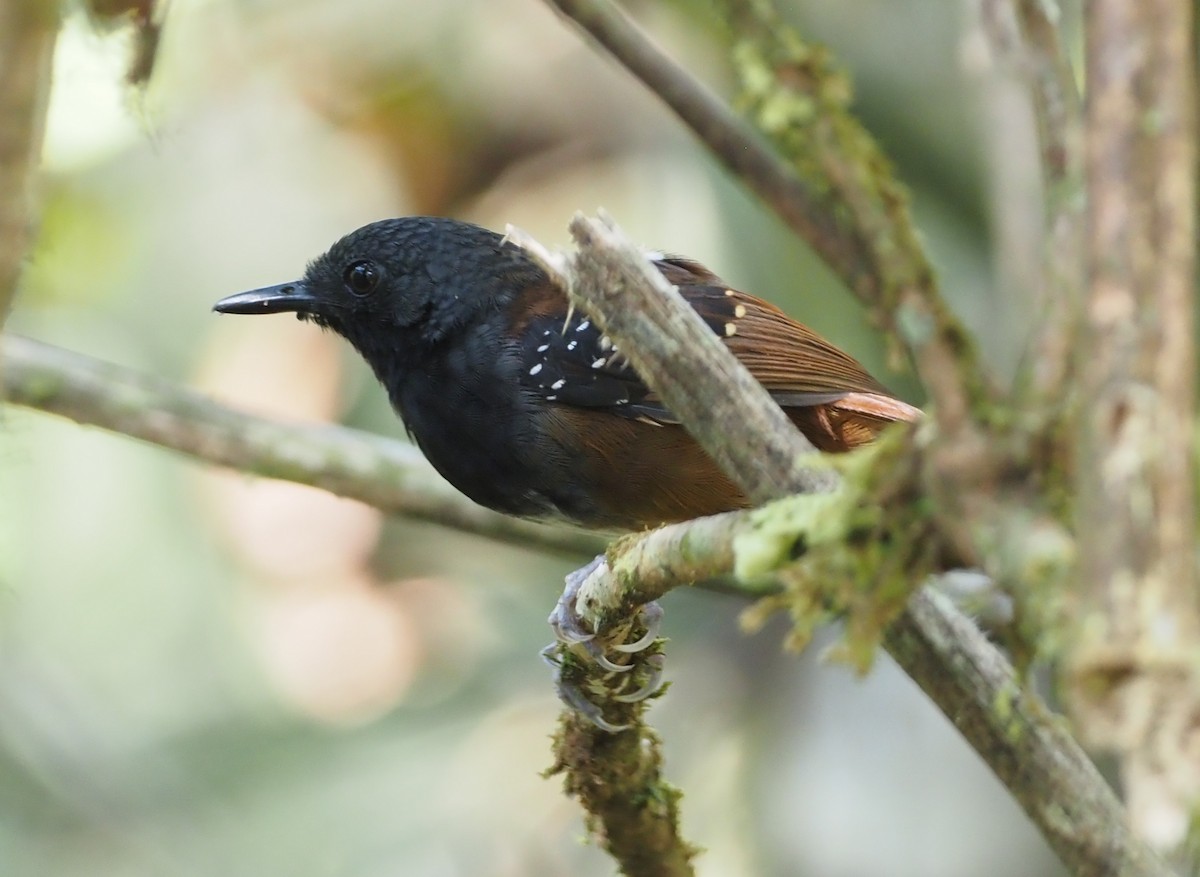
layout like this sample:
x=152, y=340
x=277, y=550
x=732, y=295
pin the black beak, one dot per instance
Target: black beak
x=269, y=300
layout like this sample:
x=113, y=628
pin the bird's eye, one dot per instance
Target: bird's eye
x=361, y=277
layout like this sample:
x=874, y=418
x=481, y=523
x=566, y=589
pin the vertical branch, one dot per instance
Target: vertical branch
x=27, y=32
x=1042, y=272
x=999, y=61
x=1131, y=677
x=1059, y=115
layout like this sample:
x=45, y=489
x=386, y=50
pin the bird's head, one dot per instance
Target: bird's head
x=395, y=283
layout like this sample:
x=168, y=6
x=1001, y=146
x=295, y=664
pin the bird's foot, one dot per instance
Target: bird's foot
x=585, y=676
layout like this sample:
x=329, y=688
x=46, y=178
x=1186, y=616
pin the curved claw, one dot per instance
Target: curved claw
x=568, y=626
x=550, y=655
x=596, y=653
x=571, y=633
x=651, y=616
x=653, y=683
x=573, y=697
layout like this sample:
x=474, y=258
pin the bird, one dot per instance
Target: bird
x=524, y=405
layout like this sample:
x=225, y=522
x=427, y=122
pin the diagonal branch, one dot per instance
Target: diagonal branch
x=1022, y=740
x=754, y=443
x=850, y=210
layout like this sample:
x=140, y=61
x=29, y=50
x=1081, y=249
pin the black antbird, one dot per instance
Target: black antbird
x=533, y=412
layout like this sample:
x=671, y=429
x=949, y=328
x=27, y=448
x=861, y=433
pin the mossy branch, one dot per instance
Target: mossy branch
x=847, y=567
x=617, y=778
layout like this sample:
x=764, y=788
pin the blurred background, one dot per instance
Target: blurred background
x=203, y=673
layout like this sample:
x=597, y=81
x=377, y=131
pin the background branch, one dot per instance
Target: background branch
x=1132, y=680
x=27, y=32
x=390, y=475
x=1058, y=112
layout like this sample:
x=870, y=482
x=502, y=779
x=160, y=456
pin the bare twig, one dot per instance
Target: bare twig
x=996, y=55
x=1132, y=675
x=27, y=32
x=726, y=134
x=387, y=474
x=1059, y=115
x=1042, y=273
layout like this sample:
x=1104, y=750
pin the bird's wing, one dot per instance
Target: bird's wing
x=571, y=362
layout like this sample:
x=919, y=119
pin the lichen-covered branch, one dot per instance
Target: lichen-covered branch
x=27, y=32
x=1132, y=678
x=795, y=94
x=387, y=474
x=1023, y=742
x=975, y=686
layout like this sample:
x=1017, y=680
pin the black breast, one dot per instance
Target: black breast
x=482, y=429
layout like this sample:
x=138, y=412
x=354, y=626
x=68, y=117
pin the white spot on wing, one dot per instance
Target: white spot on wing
x=537, y=368
x=599, y=363
x=558, y=385
x=584, y=326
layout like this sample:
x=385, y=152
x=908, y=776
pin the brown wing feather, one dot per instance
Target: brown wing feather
x=827, y=393
x=784, y=355
x=637, y=460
